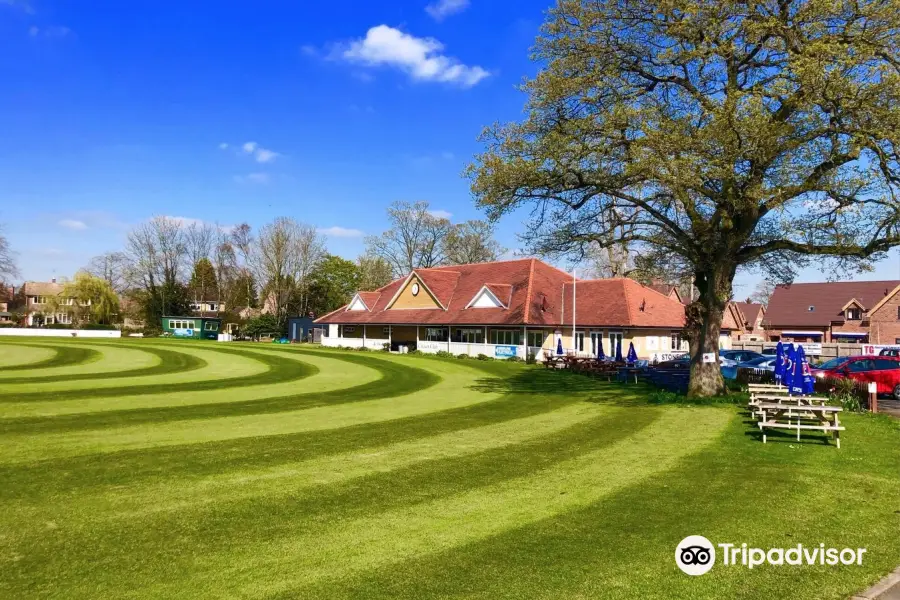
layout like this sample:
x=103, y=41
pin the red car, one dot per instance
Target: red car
x=883, y=370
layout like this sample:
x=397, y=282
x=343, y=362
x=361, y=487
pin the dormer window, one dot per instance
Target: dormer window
x=853, y=314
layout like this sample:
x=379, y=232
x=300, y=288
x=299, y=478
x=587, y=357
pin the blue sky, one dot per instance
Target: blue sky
x=245, y=111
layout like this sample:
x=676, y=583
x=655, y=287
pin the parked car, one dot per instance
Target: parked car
x=884, y=371
x=730, y=358
x=769, y=351
x=681, y=362
x=763, y=363
x=889, y=352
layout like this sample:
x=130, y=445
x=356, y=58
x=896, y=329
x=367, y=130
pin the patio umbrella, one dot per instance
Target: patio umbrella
x=632, y=355
x=802, y=382
x=779, y=362
x=600, y=354
x=559, y=349
x=788, y=378
x=619, y=350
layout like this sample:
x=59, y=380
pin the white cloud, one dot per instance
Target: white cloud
x=341, y=232
x=260, y=178
x=223, y=146
x=73, y=224
x=53, y=31
x=260, y=154
x=264, y=156
x=420, y=58
x=444, y=8
x=440, y=214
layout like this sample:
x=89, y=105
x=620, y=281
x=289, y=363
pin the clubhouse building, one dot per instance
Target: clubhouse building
x=510, y=308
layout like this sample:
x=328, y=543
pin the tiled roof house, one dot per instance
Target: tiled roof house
x=852, y=311
x=497, y=308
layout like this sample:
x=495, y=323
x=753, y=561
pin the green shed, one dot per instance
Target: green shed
x=200, y=328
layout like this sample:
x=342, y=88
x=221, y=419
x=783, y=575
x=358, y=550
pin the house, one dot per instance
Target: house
x=666, y=289
x=834, y=312
x=509, y=308
x=744, y=321
x=207, y=308
x=40, y=298
x=6, y=297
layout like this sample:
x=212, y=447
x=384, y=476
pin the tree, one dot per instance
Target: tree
x=8, y=268
x=156, y=253
x=204, y=285
x=332, y=284
x=244, y=293
x=200, y=239
x=414, y=240
x=94, y=298
x=722, y=135
x=285, y=253
x=241, y=240
x=471, y=242
x=263, y=325
x=762, y=292
x=374, y=272
x=112, y=267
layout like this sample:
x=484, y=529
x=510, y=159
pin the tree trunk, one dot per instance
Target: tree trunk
x=704, y=322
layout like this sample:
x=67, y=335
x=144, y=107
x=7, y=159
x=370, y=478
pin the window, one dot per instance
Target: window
x=884, y=364
x=676, y=342
x=535, y=339
x=898, y=318
x=579, y=341
x=811, y=309
x=436, y=334
x=349, y=328
x=858, y=366
x=211, y=326
x=386, y=331
x=470, y=336
x=853, y=314
x=506, y=336
x=614, y=339
x=596, y=341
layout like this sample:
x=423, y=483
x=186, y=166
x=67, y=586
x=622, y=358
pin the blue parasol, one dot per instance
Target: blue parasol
x=802, y=382
x=600, y=354
x=619, y=350
x=559, y=349
x=632, y=355
x=788, y=378
x=779, y=362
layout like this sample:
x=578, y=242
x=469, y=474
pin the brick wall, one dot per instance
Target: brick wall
x=885, y=324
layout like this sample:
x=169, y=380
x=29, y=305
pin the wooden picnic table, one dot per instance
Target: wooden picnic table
x=781, y=415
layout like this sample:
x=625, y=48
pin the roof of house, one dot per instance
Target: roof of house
x=790, y=304
x=751, y=311
x=884, y=300
x=533, y=292
x=42, y=288
x=666, y=289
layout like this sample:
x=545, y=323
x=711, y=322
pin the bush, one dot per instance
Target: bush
x=484, y=357
x=362, y=349
x=8, y=324
x=56, y=326
x=842, y=391
x=386, y=347
x=98, y=327
x=515, y=359
x=462, y=356
x=443, y=354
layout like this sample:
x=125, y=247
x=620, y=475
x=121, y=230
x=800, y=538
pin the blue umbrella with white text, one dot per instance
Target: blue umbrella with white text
x=600, y=354
x=788, y=378
x=559, y=349
x=802, y=381
x=779, y=362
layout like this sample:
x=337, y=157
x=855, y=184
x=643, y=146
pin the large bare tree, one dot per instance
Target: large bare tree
x=284, y=254
x=8, y=268
x=726, y=135
x=200, y=240
x=158, y=261
x=471, y=242
x=414, y=240
x=241, y=240
x=112, y=267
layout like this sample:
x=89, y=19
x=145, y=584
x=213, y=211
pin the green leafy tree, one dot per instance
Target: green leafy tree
x=243, y=292
x=263, y=325
x=332, y=284
x=711, y=137
x=204, y=285
x=89, y=299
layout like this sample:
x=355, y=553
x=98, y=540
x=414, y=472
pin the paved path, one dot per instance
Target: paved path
x=886, y=589
x=889, y=406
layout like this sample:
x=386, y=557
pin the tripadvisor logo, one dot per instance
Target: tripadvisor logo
x=696, y=555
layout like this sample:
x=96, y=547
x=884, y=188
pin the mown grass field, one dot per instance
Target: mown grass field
x=179, y=469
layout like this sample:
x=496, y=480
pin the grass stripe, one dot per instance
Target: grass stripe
x=162, y=362
x=22, y=356
x=110, y=364
x=445, y=395
x=127, y=468
x=64, y=356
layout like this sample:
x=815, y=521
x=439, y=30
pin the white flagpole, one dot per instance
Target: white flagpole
x=574, y=342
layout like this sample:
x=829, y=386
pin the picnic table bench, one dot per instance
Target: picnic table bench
x=779, y=415
x=757, y=399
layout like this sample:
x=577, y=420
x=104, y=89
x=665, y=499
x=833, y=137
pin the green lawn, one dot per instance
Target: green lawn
x=183, y=469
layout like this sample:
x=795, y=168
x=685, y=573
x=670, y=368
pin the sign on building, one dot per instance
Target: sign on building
x=504, y=351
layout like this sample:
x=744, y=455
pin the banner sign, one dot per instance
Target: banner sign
x=663, y=356
x=183, y=332
x=875, y=349
x=504, y=351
